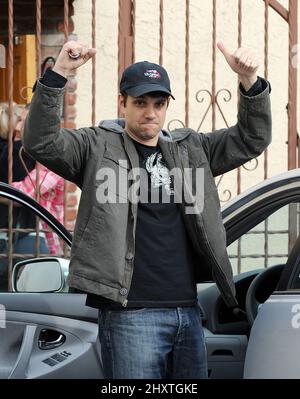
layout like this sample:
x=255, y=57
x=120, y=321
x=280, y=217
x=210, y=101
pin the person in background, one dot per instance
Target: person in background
x=51, y=193
x=18, y=171
x=51, y=197
x=22, y=218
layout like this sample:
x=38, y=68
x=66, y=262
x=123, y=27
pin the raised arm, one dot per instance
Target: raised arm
x=229, y=148
x=64, y=151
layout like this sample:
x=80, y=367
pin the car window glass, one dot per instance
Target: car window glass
x=30, y=238
x=295, y=283
x=268, y=243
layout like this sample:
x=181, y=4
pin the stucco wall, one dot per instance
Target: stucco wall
x=106, y=59
x=147, y=47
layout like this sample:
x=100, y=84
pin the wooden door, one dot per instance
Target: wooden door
x=24, y=70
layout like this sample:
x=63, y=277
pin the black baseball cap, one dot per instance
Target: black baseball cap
x=145, y=77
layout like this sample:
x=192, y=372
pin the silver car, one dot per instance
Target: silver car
x=46, y=331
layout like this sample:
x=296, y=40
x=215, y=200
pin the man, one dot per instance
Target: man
x=139, y=259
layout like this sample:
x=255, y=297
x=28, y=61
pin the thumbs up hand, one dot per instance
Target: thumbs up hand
x=243, y=62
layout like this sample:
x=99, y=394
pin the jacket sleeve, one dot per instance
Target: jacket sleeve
x=64, y=151
x=226, y=149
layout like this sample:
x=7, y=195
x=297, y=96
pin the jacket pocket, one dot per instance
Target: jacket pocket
x=113, y=155
x=86, y=232
x=197, y=157
x=111, y=182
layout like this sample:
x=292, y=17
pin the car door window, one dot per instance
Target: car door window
x=268, y=243
x=30, y=238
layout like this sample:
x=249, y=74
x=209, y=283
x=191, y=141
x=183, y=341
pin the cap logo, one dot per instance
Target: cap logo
x=152, y=73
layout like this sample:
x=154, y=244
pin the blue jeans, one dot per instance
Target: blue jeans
x=153, y=343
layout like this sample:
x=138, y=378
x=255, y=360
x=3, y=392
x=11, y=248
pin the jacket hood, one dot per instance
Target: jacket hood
x=118, y=125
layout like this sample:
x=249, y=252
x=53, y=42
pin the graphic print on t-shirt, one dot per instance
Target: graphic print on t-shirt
x=159, y=172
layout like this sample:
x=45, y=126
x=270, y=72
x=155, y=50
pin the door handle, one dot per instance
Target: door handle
x=50, y=339
x=222, y=352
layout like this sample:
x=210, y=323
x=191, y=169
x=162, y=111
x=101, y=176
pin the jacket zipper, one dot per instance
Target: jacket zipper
x=125, y=302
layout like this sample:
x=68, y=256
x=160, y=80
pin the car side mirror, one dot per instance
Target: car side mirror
x=39, y=275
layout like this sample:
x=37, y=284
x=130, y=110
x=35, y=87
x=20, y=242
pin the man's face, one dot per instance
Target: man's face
x=144, y=117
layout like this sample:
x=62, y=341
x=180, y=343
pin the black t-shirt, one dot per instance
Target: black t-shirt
x=163, y=273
